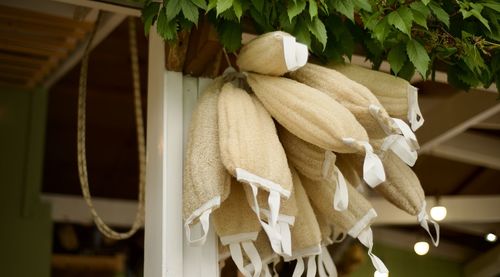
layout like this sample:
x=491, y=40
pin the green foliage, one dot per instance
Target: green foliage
x=462, y=36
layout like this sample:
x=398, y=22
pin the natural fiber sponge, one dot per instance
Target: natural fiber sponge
x=249, y=141
x=308, y=113
x=206, y=182
x=354, y=96
x=397, y=95
x=274, y=53
x=401, y=187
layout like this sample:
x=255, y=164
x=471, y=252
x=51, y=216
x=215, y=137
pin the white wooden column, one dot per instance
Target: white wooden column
x=171, y=98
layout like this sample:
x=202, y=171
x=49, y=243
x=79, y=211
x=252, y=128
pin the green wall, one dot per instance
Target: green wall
x=408, y=264
x=26, y=229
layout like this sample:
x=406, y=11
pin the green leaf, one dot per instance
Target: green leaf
x=149, y=15
x=190, y=11
x=238, y=10
x=382, y=29
x=419, y=18
x=258, y=4
x=364, y=5
x=423, y=9
x=166, y=29
x=344, y=7
x=407, y=71
x=397, y=58
x=371, y=21
x=222, y=5
x=313, y=8
x=440, y=14
x=302, y=33
x=230, y=35
x=425, y=2
x=202, y=4
x=476, y=12
x=211, y=5
x=418, y=56
x=295, y=8
x=402, y=19
x=492, y=5
x=317, y=28
x=173, y=8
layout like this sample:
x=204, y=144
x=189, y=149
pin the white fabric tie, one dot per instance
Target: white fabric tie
x=299, y=268
x=295, y=53
x=205, y=224
x=286, y=238
x=341, y=197
x=252, y=255
x=327, y=263
x=400, y=147
x=373, y=169
x=311, y=266
x=423, y=218
x=414, y=114
x=272, y=233
x=366, y=238
x=407, y=133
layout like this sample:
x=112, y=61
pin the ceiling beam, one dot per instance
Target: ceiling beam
x=491, y=123
x=485, y=265
x=123, y=10
x=108, y=23
x=471, y=147
x=452, y=113
x=461, y=209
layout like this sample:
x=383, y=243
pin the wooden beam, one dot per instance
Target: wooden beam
x=115, y=264
x=486, y=265
x=471, y=147
x=452, y=113
x=491, y=123
x=104, y=7
x=461, y=209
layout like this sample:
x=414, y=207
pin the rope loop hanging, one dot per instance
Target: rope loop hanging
x=82, y=160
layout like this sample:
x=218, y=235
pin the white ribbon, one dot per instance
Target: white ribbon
x=423, y=218
x=272, y=233
x=407, y=133
x=266, y=271
x=299, y=268
x=295, y=53
x=414, y=114
x=237, y=256
x=373, y=169
x=254, y=257
x=311, y=266
x=286, y=238
x=203, y=214
x=366, y=238
x=341, y=197
x=398, y=145
x=327, y=263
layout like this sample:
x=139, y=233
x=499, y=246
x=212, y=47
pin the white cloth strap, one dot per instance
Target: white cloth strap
x=272, y=233
x=295, y=53
x=366, y=238
x=299, y=268
x=400, y=147
x=237, y=257
x=205, y=223
x=407, y=133
x=423, y=218
x=252, y=254
x=286, y=238
x=341, y=198
x=327, y=263
x=311, y=266
x=373, y=169
x=414, y=114
x=266, y=271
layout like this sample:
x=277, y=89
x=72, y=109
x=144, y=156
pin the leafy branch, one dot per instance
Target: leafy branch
x=459, y=36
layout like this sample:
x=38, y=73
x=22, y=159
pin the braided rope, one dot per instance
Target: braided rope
x=82, y=160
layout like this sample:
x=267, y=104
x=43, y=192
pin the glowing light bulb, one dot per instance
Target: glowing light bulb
x=380, y=274
x=421, y=248
x=438, y=213
x=491, y=237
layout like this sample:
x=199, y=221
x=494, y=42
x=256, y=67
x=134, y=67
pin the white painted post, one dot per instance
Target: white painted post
x=171, y=98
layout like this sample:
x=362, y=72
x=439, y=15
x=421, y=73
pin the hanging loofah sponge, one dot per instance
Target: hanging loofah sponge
x=206, y=181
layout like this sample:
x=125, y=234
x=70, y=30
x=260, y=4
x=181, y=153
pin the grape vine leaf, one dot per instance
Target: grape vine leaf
x=418, y=56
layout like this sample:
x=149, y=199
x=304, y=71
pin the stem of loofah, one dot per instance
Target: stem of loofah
x=423, y=218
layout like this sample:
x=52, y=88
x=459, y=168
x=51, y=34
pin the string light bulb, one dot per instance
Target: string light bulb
x=421, y=248
x=438, y=212
x=491, y=237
